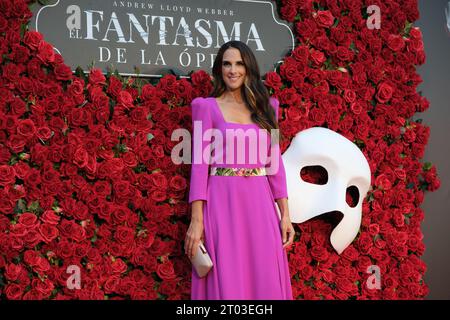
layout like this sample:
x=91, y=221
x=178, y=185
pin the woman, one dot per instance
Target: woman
x=233, y=209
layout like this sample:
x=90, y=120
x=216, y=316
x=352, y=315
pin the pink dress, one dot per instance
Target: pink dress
x=242, y=226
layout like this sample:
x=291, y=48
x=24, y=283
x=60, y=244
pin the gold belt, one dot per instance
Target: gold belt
x=245, y=172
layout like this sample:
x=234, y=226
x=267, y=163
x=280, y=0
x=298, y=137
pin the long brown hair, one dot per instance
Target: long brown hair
x=254, y=93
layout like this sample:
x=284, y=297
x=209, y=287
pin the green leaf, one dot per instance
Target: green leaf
x=80, y=73
x=21, y=205
x=407, y=28
x=150, y=137
x=336, y=22
x=13, y=160
x=410, y=186
x=427, y=166
x=34, y=206
x=23, y=29
x=352, y=46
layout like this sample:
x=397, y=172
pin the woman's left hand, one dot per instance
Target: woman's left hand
x=287, y=231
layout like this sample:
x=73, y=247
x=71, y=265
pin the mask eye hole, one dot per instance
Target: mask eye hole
x=314, y=175
x=352, y=196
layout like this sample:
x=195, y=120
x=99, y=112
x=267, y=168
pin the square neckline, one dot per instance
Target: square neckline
x=223, y=118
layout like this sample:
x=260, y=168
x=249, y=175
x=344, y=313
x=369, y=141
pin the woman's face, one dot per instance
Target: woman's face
x=233, y=69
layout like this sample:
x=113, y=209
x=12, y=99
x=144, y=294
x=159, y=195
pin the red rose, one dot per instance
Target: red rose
x=122, y=188
x=81, y=249
x=45, y=53
x=44, y=133
x=114, y=87
x=273, y=80
x=317, y=116
x=29, y=220
x=344, y=54
x=102, y=188
x=79, y=233
x=293, y=114
x=70, y=229
x=80, y=157
x=159, y=180
x=356, y=108
x=63, y=72
x=124, y=234
x=6, y=204
x=32, y=238
x=14, y=291
x=383, y=182
x=349, y=95
x=289, y=70
x=31, y=257
x=149, y=91
x=306, y=272
x=49, y=217
x=32, y=39
x=301, y=54
x=288, y=12
x=7, y=175
x=200, y=78
x=18, y=107
x=111, y=284
x=3, y=25
x=79, y=116
x=395, y=42
x=65, y=249
x=96, y=77
x=129, y=159
x=45, y=287
x=166, y=271
x=167, y=83
x=350, y=253
x=48, y=232
x=125, y=99
x=317, y=57
x=184, y=88
x=144, y=181
x=11, y=72
x=384, y=92
x=118, y=266
x=178, y=183
x=346, y=285
x=12, y=271
x=319, y=253
x=140, y=294
x=139, y=114
x=116, y=166
x=120, y=214
x=324, y=18
x=413, y=243
x=365, y=243
x=76, y=87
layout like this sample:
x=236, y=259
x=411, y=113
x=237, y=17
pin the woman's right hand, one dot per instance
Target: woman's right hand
x=193, y=237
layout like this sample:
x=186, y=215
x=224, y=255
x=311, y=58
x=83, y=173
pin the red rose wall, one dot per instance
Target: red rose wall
x=86, y=176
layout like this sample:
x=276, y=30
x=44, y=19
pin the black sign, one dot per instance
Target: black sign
x=150, y=37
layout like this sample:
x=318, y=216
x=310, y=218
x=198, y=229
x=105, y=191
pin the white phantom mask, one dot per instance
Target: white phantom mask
x=346, y=167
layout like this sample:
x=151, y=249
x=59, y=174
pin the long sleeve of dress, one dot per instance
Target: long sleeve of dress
x=277, y=181
x=201, y=121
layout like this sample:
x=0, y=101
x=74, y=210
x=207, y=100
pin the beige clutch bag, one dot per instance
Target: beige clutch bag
x=202, y=261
